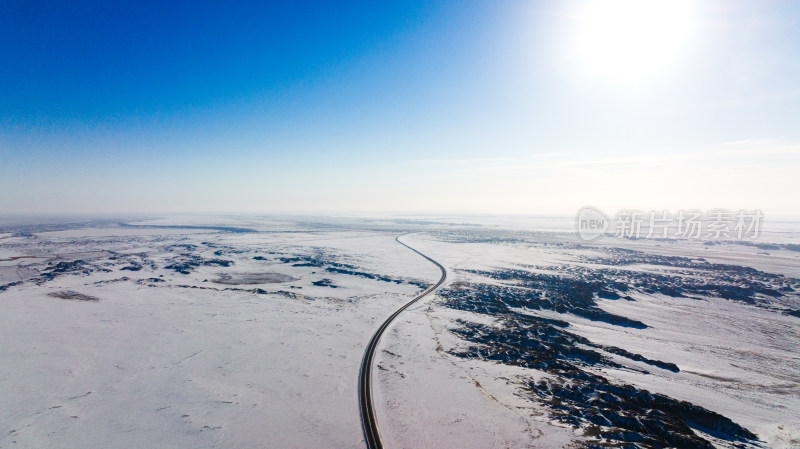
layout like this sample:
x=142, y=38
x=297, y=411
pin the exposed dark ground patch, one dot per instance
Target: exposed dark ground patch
x=253, y=278
x=189, y=262
x=325, y=283
x=611, y=414
x=74, y=267
x=71, y=295
x=624, y=416
x=9, y=285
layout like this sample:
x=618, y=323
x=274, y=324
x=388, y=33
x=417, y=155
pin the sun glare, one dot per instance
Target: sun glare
x=632, y=39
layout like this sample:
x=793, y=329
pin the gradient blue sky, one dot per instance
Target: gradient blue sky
x=462, y=106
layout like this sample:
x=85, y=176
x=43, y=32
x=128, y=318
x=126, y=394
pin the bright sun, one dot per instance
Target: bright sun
x=632, y=39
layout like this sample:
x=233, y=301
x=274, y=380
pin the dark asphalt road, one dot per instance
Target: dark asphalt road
x=372, y=435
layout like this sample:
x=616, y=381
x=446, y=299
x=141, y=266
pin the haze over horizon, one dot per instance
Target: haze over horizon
x=489, y=107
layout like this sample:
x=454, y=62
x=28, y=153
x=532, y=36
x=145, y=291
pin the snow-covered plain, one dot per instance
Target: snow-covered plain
x=243, y=332
x=737, y=358
x=165, y=359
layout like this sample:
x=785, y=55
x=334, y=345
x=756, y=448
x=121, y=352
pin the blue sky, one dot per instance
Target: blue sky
x=391, y=106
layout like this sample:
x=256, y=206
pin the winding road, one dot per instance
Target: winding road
x=372, y=435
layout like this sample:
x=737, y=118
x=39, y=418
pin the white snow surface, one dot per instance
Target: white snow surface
x=171, y=360
x=160, y=364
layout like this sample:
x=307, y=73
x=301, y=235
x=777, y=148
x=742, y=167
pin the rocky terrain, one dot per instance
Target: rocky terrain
x=531, y=308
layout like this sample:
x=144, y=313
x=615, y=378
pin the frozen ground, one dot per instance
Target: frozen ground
x=243, y=332
x=595, y=338
x=196, y=339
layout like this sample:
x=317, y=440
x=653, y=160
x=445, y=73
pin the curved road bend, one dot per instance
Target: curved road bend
x=371, y=434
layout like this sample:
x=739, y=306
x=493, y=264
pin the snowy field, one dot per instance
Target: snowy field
x=240, y=332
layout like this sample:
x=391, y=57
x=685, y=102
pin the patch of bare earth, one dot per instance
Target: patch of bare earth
x=71, y=295
x=253, y=278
